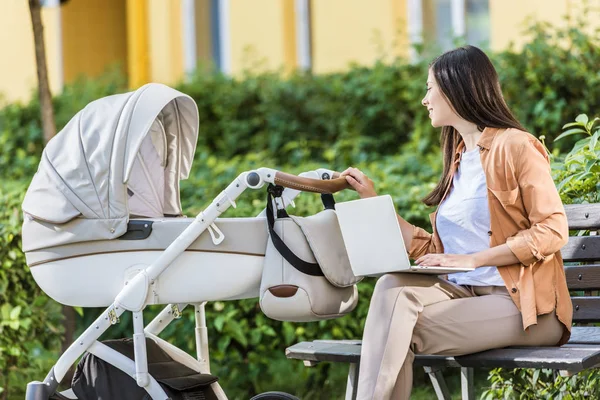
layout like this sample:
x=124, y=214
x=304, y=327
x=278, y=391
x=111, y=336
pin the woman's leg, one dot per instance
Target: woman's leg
x=469, y=325
x=395, y=306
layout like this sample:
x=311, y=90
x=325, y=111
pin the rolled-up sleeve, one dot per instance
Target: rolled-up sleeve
x=421, y=244
x=549, y=230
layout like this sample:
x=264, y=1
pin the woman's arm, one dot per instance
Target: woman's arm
x=407, y=231
x=366, y=188
x=495, y=256
x=549, y=230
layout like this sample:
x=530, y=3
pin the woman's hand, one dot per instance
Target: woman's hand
x=360, y=182
x=449, y=260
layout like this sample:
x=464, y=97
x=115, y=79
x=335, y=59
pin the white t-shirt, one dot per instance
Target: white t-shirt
x=463, y=220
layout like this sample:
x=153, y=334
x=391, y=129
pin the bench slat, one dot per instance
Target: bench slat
x=582, y=352
x=583, y=216
x=581, y=248
x=585, y=335
x=580, y=277
x=586, y=308
x=573, y=358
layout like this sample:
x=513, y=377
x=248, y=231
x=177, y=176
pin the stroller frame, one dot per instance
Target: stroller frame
x=133, y=297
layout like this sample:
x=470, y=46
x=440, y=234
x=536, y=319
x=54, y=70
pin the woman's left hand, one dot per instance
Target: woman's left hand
x=448, y=260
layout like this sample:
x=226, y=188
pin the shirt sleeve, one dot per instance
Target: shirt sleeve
x=421, y=244
x=548, y=231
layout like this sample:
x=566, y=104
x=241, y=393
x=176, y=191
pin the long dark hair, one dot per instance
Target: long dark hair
x=470, y=83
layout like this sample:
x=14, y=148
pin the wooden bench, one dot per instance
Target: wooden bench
x=581, y=353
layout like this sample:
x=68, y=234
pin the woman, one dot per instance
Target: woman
x=498, y=211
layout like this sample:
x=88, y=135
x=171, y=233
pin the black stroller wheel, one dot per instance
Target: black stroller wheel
x=274, y=396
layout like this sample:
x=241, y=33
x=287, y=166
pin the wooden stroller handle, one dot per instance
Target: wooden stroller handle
x=333, y=185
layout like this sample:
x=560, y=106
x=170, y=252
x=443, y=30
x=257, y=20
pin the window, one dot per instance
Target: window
x=478, y=22
x=452, y=18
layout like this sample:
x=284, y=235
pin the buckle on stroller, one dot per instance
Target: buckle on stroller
x=277, y=191
x=113, y=317
x=175, y=311
x=216, y=235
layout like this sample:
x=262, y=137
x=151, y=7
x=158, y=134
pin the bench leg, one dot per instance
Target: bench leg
x=467, y=383
x=567, y=374
x=352, y=384
x=438, y=382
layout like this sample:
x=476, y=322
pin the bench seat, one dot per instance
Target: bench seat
x=570, y=357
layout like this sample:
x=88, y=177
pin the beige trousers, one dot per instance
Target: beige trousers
x=415, y=313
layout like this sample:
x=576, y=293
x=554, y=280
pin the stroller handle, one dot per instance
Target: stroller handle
x=333, y=185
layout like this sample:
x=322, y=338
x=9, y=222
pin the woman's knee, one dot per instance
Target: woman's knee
x=388, y=281
x=393, y=280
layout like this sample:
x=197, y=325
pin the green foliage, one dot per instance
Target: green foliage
x=30, y=323
x=344, y=117
x=536, y=384
x=578, y=173
x=553, y=77
x=336, y=117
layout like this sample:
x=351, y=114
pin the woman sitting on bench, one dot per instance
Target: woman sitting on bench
x=497, y=210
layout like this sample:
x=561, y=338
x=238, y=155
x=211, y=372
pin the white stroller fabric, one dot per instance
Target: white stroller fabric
x=121, y=155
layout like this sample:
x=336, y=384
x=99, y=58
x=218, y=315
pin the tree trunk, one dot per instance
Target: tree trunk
x=49, y=129
x=69, y=318
x=47, y=110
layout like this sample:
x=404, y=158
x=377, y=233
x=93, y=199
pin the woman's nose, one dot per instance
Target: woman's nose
x=424, y=101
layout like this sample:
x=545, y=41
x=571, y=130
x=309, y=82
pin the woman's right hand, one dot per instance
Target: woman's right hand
x=360, y=182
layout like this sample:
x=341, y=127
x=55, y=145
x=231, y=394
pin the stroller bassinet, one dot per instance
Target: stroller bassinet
x=103, y=227
x=124, y=155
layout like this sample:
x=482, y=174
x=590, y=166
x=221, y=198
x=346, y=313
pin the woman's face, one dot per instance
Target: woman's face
x=440, y=112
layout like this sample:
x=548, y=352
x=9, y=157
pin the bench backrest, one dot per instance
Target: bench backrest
x=584, y=278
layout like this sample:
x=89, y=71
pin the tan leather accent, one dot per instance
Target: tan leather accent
x=312, y=185
x=283, y=290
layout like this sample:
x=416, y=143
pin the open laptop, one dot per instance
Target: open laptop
x=374, y=240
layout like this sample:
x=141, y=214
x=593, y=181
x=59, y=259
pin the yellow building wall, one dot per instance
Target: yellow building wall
x=508, y=18
x=262, y=34
x=165, y=41
x=137, y=42
x=94, y=37
x=18, y=75
x=346, y=31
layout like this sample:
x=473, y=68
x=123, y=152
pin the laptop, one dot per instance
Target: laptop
x=374, y=240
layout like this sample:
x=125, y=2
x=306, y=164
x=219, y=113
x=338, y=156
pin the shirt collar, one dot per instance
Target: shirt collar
x=484, y=142
x=487, y=137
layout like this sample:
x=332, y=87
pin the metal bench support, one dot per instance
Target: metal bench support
x=352, y=385
x=467, y=383
x=438, y=382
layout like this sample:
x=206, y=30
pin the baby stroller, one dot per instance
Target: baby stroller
x=103, y=227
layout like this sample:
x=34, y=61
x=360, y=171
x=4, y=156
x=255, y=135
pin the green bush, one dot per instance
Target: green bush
x=578, y=173
x=553, y=77
x=345, y=117
x=30, y=323
x=536, y=384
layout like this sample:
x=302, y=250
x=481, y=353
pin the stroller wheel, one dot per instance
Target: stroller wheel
x=274, y=396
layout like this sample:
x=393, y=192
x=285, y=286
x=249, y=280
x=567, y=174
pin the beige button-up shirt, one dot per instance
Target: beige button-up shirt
x=527, y=214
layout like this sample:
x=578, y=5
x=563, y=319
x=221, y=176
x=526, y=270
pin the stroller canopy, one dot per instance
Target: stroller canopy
x=121, y=155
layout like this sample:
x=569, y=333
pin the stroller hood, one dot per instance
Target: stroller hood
x=121, y=155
